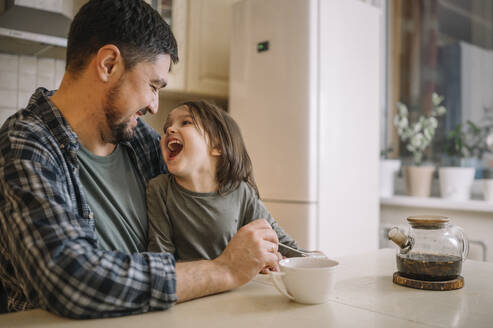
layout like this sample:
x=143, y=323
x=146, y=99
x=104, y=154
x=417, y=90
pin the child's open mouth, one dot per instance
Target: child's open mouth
x=174, y=146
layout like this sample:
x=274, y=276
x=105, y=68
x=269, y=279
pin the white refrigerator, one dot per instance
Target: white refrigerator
x=305, y=89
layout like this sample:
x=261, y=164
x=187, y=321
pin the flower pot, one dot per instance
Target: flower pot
x=488, y=190
x=418, y=180
x=456, y=182
x=388, y=170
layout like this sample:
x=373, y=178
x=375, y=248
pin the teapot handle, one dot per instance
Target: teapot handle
x=465, y=243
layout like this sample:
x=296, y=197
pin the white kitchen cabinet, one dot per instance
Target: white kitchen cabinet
x=203, y=30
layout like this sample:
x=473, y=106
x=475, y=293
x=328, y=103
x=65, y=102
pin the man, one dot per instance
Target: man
x=73, y=169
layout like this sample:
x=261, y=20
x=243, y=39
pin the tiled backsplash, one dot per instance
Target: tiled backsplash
x=21, y=75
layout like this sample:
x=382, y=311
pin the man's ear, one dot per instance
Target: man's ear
x=216, y=152
x=109, y=62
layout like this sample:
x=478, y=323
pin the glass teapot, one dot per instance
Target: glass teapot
x=432, y=250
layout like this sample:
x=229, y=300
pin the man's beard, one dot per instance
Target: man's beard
x=119, y=131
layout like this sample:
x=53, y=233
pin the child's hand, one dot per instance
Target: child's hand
x=266, y=269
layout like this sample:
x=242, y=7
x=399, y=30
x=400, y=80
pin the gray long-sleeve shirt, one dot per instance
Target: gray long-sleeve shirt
x=194, y=225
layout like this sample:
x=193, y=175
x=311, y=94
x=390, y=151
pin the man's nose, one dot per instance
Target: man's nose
x=154, y=105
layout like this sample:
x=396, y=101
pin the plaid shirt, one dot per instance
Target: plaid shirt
x=49, y=251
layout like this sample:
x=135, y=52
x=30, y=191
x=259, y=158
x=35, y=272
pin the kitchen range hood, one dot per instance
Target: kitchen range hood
x=36, y=28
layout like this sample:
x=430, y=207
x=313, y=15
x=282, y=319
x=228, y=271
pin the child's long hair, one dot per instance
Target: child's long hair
x=223, y=133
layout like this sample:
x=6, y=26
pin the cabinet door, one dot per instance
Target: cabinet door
x=209, y=34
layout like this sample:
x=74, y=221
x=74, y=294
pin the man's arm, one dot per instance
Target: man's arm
x=252, y=248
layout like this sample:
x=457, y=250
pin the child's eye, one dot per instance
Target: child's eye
x=187, y=122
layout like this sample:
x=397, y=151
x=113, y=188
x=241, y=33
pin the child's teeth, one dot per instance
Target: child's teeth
x=173, y=145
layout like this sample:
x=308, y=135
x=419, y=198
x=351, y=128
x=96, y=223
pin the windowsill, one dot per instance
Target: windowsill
x=438, y=203
x=400, y=198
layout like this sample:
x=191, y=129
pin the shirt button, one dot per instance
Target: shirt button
x=62, y=146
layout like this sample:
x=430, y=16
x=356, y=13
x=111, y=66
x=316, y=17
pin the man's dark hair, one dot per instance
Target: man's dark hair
x=234, y=164
x=138, y=31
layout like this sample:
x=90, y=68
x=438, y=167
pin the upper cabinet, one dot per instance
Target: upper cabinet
x=202, y=29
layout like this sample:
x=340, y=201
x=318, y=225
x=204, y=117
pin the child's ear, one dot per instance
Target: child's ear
x=216, y=152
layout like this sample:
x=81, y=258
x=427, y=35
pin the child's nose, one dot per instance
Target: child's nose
x=171, y=129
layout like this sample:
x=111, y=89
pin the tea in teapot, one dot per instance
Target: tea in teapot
x=429, y=267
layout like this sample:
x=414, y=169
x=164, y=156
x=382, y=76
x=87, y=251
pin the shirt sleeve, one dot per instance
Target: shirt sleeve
x=257, y=210
x=160, y=228
x=49, y=253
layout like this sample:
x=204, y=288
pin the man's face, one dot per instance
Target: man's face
x=136, y=92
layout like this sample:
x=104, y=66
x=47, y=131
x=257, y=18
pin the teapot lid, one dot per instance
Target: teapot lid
x=428, y=219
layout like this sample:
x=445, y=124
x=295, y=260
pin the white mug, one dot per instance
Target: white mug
x=306, y=280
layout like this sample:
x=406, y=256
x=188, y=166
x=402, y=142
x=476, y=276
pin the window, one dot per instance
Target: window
x=442, y=46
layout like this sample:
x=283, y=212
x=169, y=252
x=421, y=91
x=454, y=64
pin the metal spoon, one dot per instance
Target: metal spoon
x=295, y=251
x=301, y=253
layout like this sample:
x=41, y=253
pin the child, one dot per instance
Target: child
x=210, y=193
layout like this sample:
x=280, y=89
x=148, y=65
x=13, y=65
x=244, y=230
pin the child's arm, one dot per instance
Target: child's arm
x=256, y=210
x=160, y=229
x=283, y=237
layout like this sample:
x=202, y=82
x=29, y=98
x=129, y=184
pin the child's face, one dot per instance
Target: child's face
x=185, y=148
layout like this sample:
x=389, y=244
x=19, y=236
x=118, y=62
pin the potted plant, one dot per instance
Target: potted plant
x=465, y=146
x=478, y=145
x=417, y=137
x=388, y=169
x=455, y=176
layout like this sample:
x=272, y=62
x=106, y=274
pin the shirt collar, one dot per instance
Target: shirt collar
x=41, y=104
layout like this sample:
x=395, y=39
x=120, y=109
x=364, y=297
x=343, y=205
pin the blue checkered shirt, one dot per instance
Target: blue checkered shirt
x=49, y=251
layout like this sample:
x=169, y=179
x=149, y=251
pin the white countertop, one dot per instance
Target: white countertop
x=364, y=296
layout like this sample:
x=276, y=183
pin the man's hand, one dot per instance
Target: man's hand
x=253, y=248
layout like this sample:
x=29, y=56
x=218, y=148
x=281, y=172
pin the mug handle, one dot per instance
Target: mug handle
x=278, y=283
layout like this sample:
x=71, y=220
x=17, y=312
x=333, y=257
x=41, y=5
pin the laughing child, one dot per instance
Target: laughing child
x=210, y=192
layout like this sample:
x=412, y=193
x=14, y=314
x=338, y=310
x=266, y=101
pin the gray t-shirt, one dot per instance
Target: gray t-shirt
x=116, y=195
x=194, y=225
